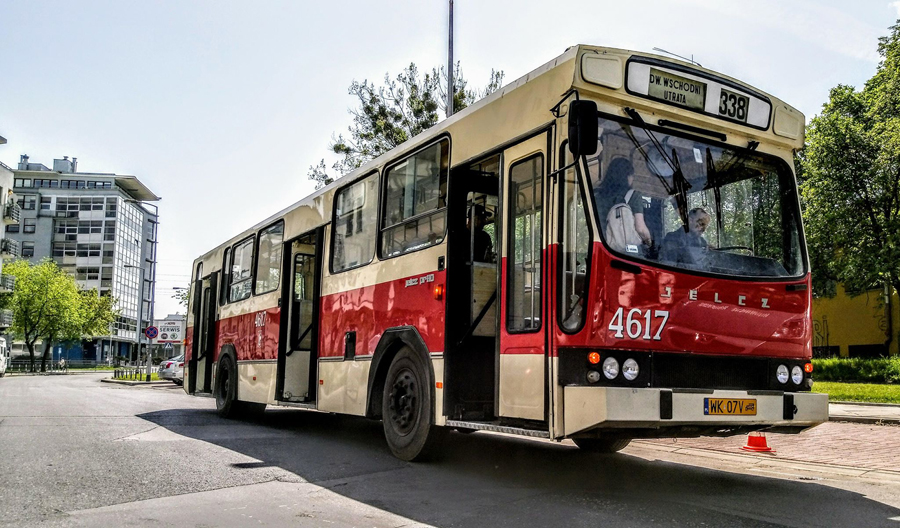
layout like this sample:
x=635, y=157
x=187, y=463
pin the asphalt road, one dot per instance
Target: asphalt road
x=77, y=452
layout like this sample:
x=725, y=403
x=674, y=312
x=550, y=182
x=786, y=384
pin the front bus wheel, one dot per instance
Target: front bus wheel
x=407, y=408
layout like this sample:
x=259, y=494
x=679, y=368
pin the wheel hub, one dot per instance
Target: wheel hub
x=403, y=402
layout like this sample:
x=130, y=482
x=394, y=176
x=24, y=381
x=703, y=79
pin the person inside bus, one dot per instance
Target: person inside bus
x=482, y=245
x=681, y=244
x=614, y=189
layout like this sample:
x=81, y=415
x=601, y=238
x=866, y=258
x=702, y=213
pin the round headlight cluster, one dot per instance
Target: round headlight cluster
x=610, y=368
x=795, y=374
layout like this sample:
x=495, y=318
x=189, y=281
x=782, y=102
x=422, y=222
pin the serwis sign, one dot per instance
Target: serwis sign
x=677, y=90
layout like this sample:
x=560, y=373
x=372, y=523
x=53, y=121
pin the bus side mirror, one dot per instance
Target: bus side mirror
x=583, y=128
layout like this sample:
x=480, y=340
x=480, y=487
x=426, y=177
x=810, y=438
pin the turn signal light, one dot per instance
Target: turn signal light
x=439, y=292
x=808, y=367
x=594, y=357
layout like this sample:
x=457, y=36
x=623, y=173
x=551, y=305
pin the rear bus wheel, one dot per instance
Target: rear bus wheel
x=407, y=409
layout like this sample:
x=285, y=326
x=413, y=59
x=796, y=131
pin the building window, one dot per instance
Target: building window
x=12, y=228
x=241, y=271
x=415, y=200
x=27, y=249
x=28, y=202
x=353, y=236
x=45, y=203
x=28, y=225
x=268, y=264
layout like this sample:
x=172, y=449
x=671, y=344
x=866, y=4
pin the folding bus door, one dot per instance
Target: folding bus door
x=200, y=366
x=298, y=352
x=522, y=352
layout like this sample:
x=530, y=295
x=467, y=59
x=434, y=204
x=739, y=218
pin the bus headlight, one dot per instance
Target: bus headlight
x=630, y=369
x=610, y=368
x=781, y=374
x=797, y=375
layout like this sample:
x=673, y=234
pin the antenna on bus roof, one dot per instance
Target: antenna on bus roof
x=691, y=60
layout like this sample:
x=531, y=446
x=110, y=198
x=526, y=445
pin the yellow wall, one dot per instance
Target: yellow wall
x=861, y=320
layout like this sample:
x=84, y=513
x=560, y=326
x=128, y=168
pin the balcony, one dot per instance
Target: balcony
x=7, y=283
x=11, y=213
x=9, y=248
x=6, y=318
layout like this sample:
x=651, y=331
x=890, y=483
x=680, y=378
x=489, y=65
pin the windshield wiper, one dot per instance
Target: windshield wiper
x=681, y=188
x=636, y=117
x=681, y=185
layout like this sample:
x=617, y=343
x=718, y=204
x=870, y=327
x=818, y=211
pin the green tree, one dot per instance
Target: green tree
x=850, y=180
x=48, y=306
x=392, y=113
x=182, y=295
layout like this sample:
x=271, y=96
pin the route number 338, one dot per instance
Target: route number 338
x=638, y=323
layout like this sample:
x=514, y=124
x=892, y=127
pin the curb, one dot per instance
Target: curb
x=870, y=420
x=132, y=383
x=874, y=404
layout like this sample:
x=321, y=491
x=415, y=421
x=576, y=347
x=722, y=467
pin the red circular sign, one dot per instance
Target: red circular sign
x=151, y=332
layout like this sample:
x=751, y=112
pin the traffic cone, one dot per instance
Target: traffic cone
x=757, y=442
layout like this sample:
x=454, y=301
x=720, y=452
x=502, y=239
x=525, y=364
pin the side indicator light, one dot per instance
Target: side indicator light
x=808, y=367
x=439, y=384
x=254, y=378
x=321, y=382
x=594, y=357
x=439, y=292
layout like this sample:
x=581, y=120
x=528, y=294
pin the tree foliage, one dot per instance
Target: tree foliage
x=398, y=110
x=850, y=181
x=182, y=295
x=49, y=306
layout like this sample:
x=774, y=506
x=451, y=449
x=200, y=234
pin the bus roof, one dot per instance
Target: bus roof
x=541, y=89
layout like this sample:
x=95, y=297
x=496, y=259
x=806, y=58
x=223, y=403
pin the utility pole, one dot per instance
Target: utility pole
x=450, y=67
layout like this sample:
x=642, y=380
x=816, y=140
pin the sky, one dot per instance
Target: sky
x=221, y=107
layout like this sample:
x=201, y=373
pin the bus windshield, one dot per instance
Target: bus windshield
x=694, y=205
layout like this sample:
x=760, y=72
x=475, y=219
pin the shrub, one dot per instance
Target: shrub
x=879, y=370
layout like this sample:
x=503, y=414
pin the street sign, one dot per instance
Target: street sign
x=151, y=332
x=168, y=346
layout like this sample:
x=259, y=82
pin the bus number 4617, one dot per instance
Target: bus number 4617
x=637, y=324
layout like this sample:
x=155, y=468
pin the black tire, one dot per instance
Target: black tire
x=226, y=388
x=407, y=407
x=178, y=382
x=602, y=445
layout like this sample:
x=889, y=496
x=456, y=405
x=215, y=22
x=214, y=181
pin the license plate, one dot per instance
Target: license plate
x=728, y=406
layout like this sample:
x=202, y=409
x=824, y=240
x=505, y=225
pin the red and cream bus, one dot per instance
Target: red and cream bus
x=608, y=248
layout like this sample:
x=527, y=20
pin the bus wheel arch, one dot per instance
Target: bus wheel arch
x=392, y=342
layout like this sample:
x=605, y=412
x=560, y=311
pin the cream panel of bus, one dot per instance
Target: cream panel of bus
x=256, y=381
x=343, y=386
x=378, y=272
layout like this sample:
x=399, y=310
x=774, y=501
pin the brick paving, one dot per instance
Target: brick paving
x=873, y=447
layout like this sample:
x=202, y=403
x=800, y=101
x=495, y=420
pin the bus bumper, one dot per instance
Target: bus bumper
x=589, y=408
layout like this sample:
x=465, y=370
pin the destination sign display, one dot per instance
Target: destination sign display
x=697, y=91
x=677, y=90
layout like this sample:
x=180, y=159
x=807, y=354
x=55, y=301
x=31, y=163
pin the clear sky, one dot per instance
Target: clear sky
x=220, y=107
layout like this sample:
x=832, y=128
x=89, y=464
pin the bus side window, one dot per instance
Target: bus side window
x=355, y=217
x=415, y=201
x=241, y=271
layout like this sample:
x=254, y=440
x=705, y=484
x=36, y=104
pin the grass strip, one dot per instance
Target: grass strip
x=858, y=392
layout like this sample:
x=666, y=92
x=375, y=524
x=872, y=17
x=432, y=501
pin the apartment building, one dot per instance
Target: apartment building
x=102, y=228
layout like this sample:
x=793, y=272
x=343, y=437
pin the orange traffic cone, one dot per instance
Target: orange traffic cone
x=757, y=442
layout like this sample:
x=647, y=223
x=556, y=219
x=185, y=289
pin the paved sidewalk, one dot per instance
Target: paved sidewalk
x=862, y=436
x=870, y=413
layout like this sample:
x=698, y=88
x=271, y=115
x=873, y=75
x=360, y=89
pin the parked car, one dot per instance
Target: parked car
x=172, y=369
